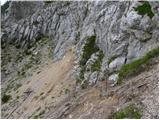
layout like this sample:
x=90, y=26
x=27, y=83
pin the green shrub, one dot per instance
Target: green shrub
x=5, y=6
x=35, y=117
x=6, y=98
x=42, y=112
x=89, y=48
x=136, y=66
x=129, y=112
x=145, y=9
x=38, y=115
x=97, y=65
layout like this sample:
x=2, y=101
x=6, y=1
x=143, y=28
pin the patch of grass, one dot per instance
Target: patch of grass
x=129, y=112
x=38, y=115
x=42, y=112
x=6, y=98
x=21, y=73
x=33, y=114
x=6, y=58
x=97, y=65
x=19, y=57
x=28, y=58
x=35, y=117
x=136, y=66
x=33, y=60
x=12, y=86
x=9, y=87
x=145, y=8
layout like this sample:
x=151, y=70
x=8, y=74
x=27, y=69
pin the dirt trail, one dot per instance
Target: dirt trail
x=92, y=105
x=45, y=87
x=52, y=93
x=140, y=90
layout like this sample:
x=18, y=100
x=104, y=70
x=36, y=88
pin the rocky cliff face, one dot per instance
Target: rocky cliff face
x=121, y=31
x=105, y=34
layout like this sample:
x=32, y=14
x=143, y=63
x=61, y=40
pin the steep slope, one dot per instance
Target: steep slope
x=80, y=59
x=52, y=93
x=51, y=84
x=101, y=102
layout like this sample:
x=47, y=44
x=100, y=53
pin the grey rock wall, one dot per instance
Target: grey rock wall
x=120, y=31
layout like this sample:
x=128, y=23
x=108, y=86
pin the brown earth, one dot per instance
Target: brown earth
x=52, y=93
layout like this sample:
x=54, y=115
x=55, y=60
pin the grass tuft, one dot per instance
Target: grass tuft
x=136, y=66
x=6, y=98
x=129, y=112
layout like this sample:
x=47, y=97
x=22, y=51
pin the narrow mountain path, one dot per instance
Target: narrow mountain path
x=52, y=93
x=140, y=90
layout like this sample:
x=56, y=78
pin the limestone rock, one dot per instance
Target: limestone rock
x=118, y=28
x=93, y=78
x=117, y=63
x=112, y=80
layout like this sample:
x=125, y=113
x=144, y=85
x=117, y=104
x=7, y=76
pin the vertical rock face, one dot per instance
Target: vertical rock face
x=20, y=10
x=122, y=31
x=12, y=12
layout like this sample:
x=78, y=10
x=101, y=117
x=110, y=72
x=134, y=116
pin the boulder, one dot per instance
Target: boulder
x=112, y=80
